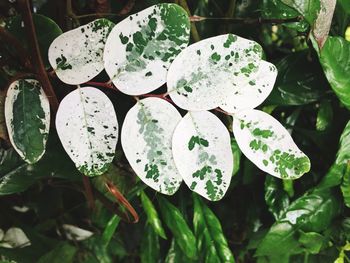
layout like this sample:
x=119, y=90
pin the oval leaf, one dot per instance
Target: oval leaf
x=203, y=155
x=76, y=55
x=265, y=142
x=217, y=71
x=146, y=140
x=27, y=114
x=88, y=129
x=140, y=48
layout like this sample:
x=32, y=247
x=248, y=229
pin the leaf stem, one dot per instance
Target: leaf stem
x=107, y=84
x=88, y=192
x=37, y=60
x=248, y=21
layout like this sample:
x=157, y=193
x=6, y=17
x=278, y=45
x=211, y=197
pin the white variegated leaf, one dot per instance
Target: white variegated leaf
x=203, y=155
x=140, y=48
x=87, y=126
x=204, y=74
x=146, y=140
x=16, y=238
x=76, y=55
x=27, y=115
x=265, y=142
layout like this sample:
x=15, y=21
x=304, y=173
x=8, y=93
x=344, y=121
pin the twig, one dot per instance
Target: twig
x=248, y=21
x=107, y=84
x=37, y=60
x=88, y=192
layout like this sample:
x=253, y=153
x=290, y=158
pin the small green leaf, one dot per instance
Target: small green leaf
x=178, y=226
x=109, y=230
x=324, y=116
x=152, y=215
x=236, y=156
x=150, y=248
x=343, y=154
x=63, y=252
x=345, y=185
x=311, y=241
x=175, y=254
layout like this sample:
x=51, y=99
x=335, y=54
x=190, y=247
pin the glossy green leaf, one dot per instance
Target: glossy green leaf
x=335, y=60
x=140, y=48
x=76, y=55
x=345, y=185
x=109, y=230
x=311, y=241
x=324, y=116
x=333, y=177
x=211, y=242
x=265, y=142
x=343, y=154
x=308, y=8
x=146, y=140
x=88, y=129
x=312, y=212
x=175, y=254
x=150, y=248
x=63, y=252
x=27, y=114
x=152, y=215
x=236, y=156
x=178, y=226
x=203, y=155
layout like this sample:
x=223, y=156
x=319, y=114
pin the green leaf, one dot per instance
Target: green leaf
x=109, y=230
x=175, y=254
x=335, y=60
x=149, y=246
x=324, y=116
x=311, y=241
x=27, y=114
x=212, y=244
x=63, y=252
x=88, y=129
x=152, y=215
x=178, y=226
x=276, y=198
x=343, y=154
x=307, y=8
x=46, y=31
x=300, y=81
x=333, y=177
x=313, y=212
x=140, y=49
x=236, y=156
x=345, y=185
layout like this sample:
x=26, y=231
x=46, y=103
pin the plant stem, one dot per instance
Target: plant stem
x=194, y=30
x=37, y=60
x=107, y=84
x=88, y=192
x=248, y=21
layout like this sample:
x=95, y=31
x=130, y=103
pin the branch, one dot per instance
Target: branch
x=248, y=21
x=37, y=60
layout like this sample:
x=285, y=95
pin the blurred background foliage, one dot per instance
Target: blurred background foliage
x=44, y=213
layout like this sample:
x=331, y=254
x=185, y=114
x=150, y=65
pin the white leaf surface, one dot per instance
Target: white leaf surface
x=140, y=48
x=76, y=233
x=203, y=155
x=265, y=142
x=146, y=140
x=1, y=234
x=87, y=126
x=204, y=74
x=76, y=55
x=15, y=238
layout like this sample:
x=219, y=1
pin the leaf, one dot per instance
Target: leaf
x=343, y=154
x=175, y=255
x=324, y=116
x=225, y=71
x=323, y=21
x=308, y=8
x=3, y=129
x=76, y=233
x=15, y=237
x=146, y=140
x=46, y=31
x=265, y=142
x=236, y=156
x=335, y=60
x=345, y=185
x=149, y=246
x=206, y=168
x=152, y=215
x=212, y=243
x=87, y=126
x=63, y=252
x=27, y=114
x=333, y=177
x=300, y=81
x=313, y=212
x=312, y=241
x=109, y=230
x=140, y=48
x=178, y=226
x=76, y=55
x=276, y=197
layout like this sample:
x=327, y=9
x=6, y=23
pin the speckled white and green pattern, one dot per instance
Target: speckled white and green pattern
x=266, y=143
x=87, y=126
x=146, y=140
x=140, y=48
x=76, y=55
x=203, y=155
x=27, y=115
x=225, y=71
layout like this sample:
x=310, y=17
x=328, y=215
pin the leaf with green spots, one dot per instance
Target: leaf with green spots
x=87, y=126
x=203, y=155
x=27, y=115
x=76, y=55
x=225, y=71
x=141, y=48
x=265, y=142
x=146, y=140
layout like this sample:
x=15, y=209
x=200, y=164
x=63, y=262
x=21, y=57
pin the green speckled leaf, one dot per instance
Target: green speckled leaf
x=265, y=142
x=203, y=155
x=27, y=113
x=76, y=55
x=140, y=48
x=225, y=71
x=87, y=126
x=146, y=140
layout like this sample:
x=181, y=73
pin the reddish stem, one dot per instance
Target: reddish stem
x=161, y=96
x=108, y=84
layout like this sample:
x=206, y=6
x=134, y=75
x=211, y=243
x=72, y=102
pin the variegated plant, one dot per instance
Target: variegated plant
x=140, y=54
